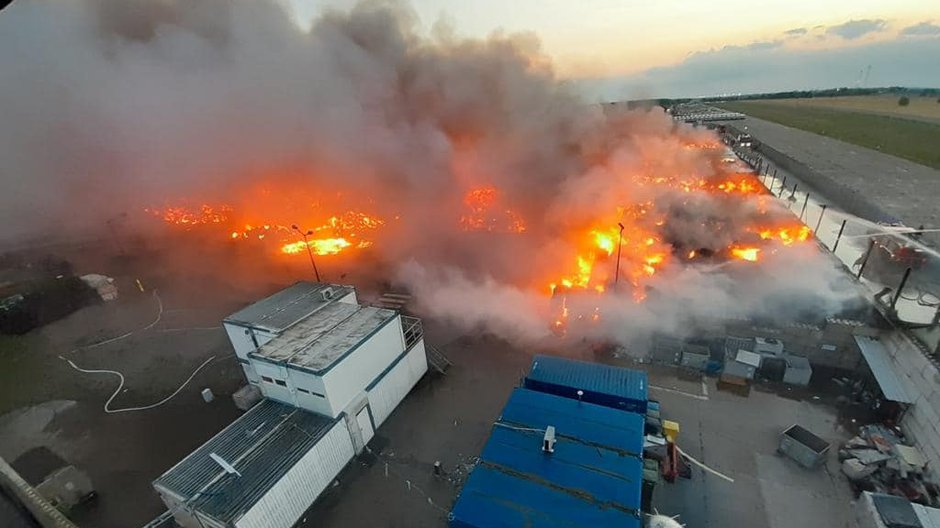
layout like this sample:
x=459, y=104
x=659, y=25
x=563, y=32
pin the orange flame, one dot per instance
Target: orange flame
x=745, y=253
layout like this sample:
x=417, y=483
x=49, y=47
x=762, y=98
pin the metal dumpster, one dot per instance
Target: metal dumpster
x=803, y=446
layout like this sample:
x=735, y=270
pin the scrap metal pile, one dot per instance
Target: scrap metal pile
x=880, y=460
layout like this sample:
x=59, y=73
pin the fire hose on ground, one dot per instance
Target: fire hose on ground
x=107, y=405
x=120, y=386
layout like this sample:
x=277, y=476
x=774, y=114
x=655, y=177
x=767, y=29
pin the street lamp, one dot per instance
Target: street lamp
x=619, y=247
x=305, y=234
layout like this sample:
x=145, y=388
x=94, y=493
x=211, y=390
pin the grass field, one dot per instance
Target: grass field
x=870, y=122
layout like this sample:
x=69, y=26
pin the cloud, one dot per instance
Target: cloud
x=854, y=29
x=898, y=62
x=922, y=29
x=756, y=45
x=795, y=31
x=764, y=45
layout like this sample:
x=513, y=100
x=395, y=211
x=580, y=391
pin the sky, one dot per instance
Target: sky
x=613, y=49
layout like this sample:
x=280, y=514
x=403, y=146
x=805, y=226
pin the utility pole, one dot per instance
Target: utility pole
x=313, y=263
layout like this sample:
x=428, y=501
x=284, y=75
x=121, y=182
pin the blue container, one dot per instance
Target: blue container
x=615, y=387
x=593, y=477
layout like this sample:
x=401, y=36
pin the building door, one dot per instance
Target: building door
x=365, y=425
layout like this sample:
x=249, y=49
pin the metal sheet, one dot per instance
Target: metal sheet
x=283, y=309
x=928, y=517
x=615, y=387
x=262, y=445
x=880, y=364
x=593, y=477
x=323, y=338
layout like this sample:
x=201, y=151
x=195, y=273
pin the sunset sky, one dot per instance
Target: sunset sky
x=634, y=44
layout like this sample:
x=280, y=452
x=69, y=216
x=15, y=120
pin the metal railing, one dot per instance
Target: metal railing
x=413, y=330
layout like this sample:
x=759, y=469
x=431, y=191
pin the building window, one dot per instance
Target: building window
x=282, y=383
x=267, y=379
x=310, y=392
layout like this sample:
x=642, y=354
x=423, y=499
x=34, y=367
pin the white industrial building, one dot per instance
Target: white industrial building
x=331, y=372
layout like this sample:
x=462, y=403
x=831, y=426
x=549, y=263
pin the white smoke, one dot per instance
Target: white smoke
x=113, y=105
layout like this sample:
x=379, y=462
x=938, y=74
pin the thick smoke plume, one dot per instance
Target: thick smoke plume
x=113, y=106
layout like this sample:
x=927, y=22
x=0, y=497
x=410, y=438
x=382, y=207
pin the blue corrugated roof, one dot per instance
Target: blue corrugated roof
x=593, y=478
x=602, y=384
x=588, y=422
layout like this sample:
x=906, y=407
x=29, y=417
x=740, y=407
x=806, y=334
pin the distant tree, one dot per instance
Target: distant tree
x=904, y=101
x=938, y=100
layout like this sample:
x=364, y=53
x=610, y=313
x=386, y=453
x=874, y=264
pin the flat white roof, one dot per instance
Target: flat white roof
x=285, y=308
x=748, y=358
x=320, y=340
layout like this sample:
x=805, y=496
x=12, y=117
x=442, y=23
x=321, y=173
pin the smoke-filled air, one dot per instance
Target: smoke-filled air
x=465, y=169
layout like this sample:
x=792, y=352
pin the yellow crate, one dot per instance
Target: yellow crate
x=671, y=430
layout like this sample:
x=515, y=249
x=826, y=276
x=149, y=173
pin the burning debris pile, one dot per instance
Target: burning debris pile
x=500, y=198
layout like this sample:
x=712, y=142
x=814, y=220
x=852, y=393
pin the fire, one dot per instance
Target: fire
x=483, y=214
x=786, y=235
x=331, y=235
x=186, y=216
x=322, y=246
x=745, y=253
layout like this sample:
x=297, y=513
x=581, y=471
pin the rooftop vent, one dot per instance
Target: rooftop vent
x=327, y=293
x=548, y=443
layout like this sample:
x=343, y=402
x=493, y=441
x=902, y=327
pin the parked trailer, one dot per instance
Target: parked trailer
x=807, y=449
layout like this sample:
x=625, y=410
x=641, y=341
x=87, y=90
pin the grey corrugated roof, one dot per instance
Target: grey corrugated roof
x=733, y=344
x=880, y=364
x=283, y=309
x=318, y=341
x=262, y=445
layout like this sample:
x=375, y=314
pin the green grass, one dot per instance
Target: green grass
x=916, y=141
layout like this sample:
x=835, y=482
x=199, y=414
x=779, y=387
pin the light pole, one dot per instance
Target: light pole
x=305, y=234
x=619, y=248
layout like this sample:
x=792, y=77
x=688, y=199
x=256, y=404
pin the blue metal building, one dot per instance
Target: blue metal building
x=592, y=478
x=615, y=387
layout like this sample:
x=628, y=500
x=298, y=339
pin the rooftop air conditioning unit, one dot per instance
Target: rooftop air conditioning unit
x=548, y=443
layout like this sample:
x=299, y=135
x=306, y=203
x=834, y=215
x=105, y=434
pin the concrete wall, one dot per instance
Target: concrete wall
x=42, y=511
x=921, y=377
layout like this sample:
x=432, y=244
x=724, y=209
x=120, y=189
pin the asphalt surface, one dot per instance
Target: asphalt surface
x=901, y=188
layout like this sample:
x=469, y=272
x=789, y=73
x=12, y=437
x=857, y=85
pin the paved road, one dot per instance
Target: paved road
x=899, y=187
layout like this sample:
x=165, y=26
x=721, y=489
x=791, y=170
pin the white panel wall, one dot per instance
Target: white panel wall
x=240, y=337
x=273, y=390
x=297, y=381
x=283, y=504
x=355, y=372
x=392, y=389
x=315, y=399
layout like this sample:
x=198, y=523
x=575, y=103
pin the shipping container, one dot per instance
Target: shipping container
x=592, y=476
x=614, y=387
x=279, y=459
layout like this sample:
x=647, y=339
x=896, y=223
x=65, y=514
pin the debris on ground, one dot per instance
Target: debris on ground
x=879, y=460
